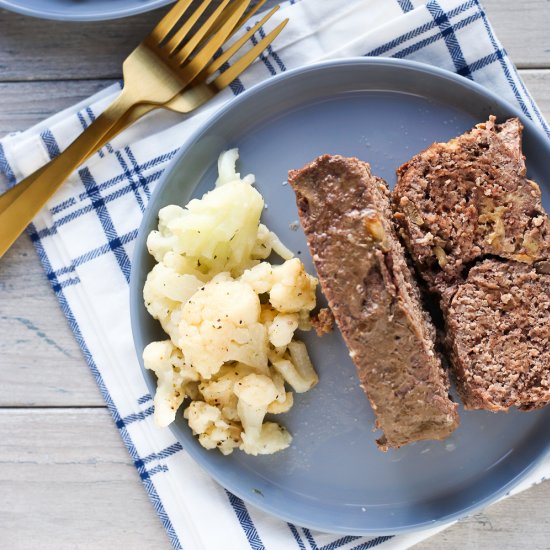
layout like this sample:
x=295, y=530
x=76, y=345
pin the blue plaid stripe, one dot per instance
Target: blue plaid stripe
x=448, y=34
x=134, y=417
x=130, y=177
x=274, y=55
x=339, y=543
x=62, y=205
x=164, y=454
x=104, y=249
x=145, y=399
x=334, y=545
x=406, y=5
x=372, y=543
x=46, y=232
x=160, y=468
x=84, y=124
x=106, y=222
x=418, y=31
x=296, y=536
x=157, y=161
x=50, y=143
x=417, y=46
x=264, y=58
x=5, y=167
x=239, y=507
x=136, y=168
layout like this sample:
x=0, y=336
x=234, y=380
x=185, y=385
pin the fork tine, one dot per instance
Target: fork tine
x=216, y=27
x=248, y=15
x=234, y=48
x=247, y=59
x=166, y=24
x=174, y=42
x=204, y=55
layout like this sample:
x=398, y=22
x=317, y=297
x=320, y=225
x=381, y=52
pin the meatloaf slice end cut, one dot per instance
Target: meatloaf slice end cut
x=498, y=333
x=346, y=215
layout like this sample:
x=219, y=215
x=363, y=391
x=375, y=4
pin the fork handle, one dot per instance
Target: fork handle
x=9, y=196
x=30, y=201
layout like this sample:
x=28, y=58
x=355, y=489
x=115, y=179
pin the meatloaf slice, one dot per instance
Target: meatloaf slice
x=458, y=201
x=345, y=213
x=499, y=336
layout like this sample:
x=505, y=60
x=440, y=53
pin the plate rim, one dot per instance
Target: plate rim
x=74, y=15
x=203, y=130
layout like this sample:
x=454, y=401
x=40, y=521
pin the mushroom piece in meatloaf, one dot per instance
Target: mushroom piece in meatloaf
x=346, y=215
x=479, y=237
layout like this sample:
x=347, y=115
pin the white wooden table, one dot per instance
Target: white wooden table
x=66, y=480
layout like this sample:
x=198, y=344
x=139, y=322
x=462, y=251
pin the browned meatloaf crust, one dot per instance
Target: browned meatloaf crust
x=458, y=201
x=346, y=216
x=499, y=336
x=458, y=204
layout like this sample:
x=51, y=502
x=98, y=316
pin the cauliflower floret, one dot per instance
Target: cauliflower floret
x=227, y=168
x=282, y=328
x=220, y=323
x=256, y=392
x=259, y=277
x=168, y=283
x=185, y=265
x=213, y=430
x=272, y=438
x=157, y=304
x=163, y=293
x=284, y=401
x=173, y=373
x=218, y=391
x=162, y=241
x=293, y=289
x=219, y=231
x=266, y=242
x=295, y=367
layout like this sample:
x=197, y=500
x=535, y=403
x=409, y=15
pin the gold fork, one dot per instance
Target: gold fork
x=181, y=102
x=32, y=198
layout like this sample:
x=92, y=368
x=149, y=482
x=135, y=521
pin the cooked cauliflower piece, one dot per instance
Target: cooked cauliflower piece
x=167, y=284
x=227, y=169
x=213, y=430
x=255, y=393
x=230, y=315
x=259, y=277
x=173, y=373
x=218, y=391
x=160, y=242
x=266, y=242
x=281, y=330
x=220, y=323
x=215, y=233
x=293, y=289
x=295, y=367
x=272, y=438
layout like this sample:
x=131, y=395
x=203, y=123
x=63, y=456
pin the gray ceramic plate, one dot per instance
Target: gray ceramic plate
x=78, y=10
x=333, y=477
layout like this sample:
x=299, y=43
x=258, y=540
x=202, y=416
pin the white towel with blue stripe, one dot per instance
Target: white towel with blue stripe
x=86, y=234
